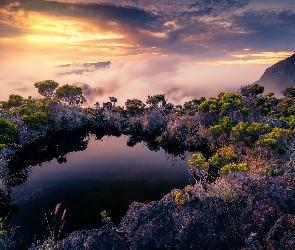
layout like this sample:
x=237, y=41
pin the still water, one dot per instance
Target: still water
x=91, y=175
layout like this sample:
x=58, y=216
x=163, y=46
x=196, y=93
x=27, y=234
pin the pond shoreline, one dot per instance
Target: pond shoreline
x=26, y=152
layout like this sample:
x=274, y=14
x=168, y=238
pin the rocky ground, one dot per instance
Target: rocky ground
x=254, y=214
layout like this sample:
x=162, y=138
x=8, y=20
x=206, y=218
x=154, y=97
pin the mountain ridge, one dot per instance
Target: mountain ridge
x=279, y=76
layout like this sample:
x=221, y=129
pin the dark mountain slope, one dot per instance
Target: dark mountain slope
x=279, y=76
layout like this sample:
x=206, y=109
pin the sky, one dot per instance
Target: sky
x=128, y=49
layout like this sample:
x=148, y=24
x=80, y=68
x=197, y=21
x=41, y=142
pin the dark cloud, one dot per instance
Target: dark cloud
x=89, y=92
x=127, y=16
x=209, y=7
x=98, y=64
x=258, y=30
x=3, y=2
x=186, y=27
x=266, y=21
x=266, y=30
x=79, y=68
x=9, y=31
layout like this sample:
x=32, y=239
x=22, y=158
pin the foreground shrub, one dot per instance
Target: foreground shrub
x=8, y=132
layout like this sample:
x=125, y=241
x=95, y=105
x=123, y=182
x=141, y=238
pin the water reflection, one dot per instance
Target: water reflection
x=88, y=175
x=56, y=146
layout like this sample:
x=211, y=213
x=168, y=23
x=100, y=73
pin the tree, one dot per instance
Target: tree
x=211, y=105
x=8, y=132
x=113, y=100
x=289, y=91
x=199, y=167
x=13, y=101
x=287, y=106
x=230, y=102
x=223, y=104
x=134, y=106
x=33, y=113
x=197, y=102
x=46, y=88
x=156, y=101
x=253, y=89
x=224, y=126
x=72, y=95
x=107, y=105
x=247, y=133
x=283, y=141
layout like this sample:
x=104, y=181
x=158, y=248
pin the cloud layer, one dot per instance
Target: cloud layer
x=153, y=75
x=184, y=48
x=212, y=29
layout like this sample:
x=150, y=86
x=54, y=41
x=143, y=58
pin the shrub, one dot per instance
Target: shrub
x=246, y=132
x=225, y=125
x=179, y=197
x=35, y=118
x=223, y=156
x=105, y=217
x=232, y=167
x=268, y=142
x=270, y=171
x=8, y=132
x=196, y=160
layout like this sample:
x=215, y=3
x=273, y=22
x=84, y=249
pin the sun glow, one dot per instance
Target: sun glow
x=46, y=28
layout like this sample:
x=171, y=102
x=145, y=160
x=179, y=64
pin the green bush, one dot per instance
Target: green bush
x=270, y=171
x=249, y=132
x=268, y=142
x=223, y=156
x=225, y=125
x=8, y=132
x=179, y=197
x=196, y=160
x=232, y=167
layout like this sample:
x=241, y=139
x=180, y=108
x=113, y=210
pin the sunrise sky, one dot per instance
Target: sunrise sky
x=185, y=49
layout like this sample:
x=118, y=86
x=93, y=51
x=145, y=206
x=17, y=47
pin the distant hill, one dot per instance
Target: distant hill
x=279, y=76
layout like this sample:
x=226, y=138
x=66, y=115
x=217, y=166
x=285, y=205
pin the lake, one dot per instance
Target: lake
x=89, y=173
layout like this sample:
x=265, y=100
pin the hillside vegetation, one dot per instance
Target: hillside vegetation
x=250, y=134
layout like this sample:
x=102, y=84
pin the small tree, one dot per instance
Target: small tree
x=46, y=88
x=8, y=132
x=134, y=106
x=72, y=95
x=107, y=105
x=199, y=167
x=113, y=100
x=156, y=101
x=289, y=91
x=13, y=101
x=253, y=89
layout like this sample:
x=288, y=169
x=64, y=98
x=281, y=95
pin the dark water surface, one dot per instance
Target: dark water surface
x=106, y=174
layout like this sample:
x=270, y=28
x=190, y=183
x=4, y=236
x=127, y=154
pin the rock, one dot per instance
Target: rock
x=104, y=238
x=166, y=225
x=282, y=234
x=262, y=216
